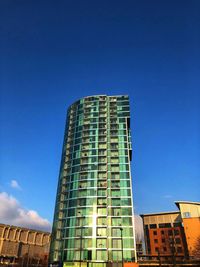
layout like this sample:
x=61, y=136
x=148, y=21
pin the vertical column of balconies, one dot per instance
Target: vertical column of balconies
x=120, y=212
x=101, y=220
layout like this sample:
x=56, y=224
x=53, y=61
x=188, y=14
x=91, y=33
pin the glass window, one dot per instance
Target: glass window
x=128, y=242
x=170, y=232
x=114, y=160
x=125, y=183
x=101, y=255
x=77, y=243
x=126, y=202
x=102, y=183
x=176, y=232
x=102, y=211
x=114, y=154
x=129, y=255
x=127, y=231
x=115, y=193
x=116, y=221
x=116, y=255
x=115, y=212
x=114, y=168
x=124, y=167
x=114, y=176
x=186, y=214
x=87, y=231
x=127, y=221
x=102, y=221
x=177, y=224
x=116, y=232
x=102, y=192
x=101, y=232
x=102, y=167
x=101, y=243
x=126, y=211
x=116, y=243
x=116, y=202
x=179, y=249
x=102, y=201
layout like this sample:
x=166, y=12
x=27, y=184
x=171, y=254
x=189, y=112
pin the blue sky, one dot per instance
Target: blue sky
x=55, y=52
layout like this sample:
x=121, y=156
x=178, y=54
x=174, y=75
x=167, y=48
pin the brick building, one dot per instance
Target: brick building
x=164, y=235
x=173, y=234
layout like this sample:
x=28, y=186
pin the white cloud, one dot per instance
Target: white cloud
x=139, y=232
x=14, y=184
x=11, y=212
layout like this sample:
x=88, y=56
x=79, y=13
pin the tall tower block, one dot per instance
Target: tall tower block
x=93, y=220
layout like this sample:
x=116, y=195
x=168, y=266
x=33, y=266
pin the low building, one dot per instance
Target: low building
x=23, y=247
x=164, y=235
x=173, y=234
x=190, y=216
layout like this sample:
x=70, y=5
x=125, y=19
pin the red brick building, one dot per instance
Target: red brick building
x=173, y=234
x=164, y=235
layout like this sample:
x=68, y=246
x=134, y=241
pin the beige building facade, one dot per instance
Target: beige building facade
x=23, y=246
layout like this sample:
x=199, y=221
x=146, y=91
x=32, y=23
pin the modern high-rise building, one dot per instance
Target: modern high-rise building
x=93, y=220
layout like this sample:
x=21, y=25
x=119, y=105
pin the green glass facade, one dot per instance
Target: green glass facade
x=93, y=217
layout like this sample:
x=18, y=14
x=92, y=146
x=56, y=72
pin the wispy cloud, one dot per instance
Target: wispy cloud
x=139, y=232
x=11, y=212
x=14, y=184
x=167, y=196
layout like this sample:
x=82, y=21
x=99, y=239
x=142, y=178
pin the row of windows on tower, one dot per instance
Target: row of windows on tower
x=98, y=110
x=72, y=136
x=100, y=128
x=81, y=192
x=114, y=158
x=109, y=165
x=94, y=167
x=97, y=176
x=100, y=243
x=98, y=102
x=95, y=111
x=110, y=212
x=101, y=221
x=100, y=200
x=111, y=146
x=85, y=183
x=95, y=153
x=114, y=142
